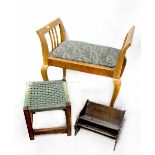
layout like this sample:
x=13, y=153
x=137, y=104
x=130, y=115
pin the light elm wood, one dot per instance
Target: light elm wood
x=80, y=66
x=51, y=38
x=114, y=73
x=56, y=37
x=54, y=40
x=117, y=85
x=44, y=72
x=126, y=45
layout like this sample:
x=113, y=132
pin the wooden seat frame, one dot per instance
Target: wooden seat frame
x=114, y=73
x=64, y=129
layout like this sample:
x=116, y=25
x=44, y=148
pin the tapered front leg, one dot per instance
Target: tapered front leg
x=117, y=85
x=29, y=119
x=44, y=72
x=68, y=120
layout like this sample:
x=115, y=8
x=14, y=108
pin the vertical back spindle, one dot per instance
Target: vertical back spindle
x=51, y=38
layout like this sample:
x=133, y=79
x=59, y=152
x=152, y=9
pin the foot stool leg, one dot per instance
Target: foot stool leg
x=64, y=74
x=28, y=119
x=68, y=120
x=117, y=85
x=44, y=72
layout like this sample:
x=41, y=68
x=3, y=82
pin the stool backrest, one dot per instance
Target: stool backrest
x=55, y=32
x=127, y=43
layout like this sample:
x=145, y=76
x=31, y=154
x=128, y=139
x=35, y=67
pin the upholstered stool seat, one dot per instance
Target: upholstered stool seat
x=45, y=96
x=87, y=53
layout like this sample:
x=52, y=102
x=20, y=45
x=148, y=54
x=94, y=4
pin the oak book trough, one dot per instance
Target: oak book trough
x=101, y=119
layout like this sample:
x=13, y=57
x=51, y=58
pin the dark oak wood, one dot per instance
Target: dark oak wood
x=28, y=119
x=50, y=130
x=68, y=120
x=64, y=129
x=100, y=119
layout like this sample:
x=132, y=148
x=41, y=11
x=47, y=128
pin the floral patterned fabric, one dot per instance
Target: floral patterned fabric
x=86, y=52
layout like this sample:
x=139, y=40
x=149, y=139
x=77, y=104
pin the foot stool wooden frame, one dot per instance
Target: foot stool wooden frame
x=57, y=36
x=45, y=96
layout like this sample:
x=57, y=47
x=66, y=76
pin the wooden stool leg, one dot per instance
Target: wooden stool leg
x=44, y=72
x=64, y=74
x=68, y=120
x=117, y=85
x=29, y=119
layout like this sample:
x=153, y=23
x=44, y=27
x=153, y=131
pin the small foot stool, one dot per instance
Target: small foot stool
x=101, y=119
x=45, y=96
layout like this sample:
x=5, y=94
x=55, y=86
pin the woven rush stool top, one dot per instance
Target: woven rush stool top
x=46, y=95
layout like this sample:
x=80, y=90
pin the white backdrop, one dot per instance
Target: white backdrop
x=96, y=21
